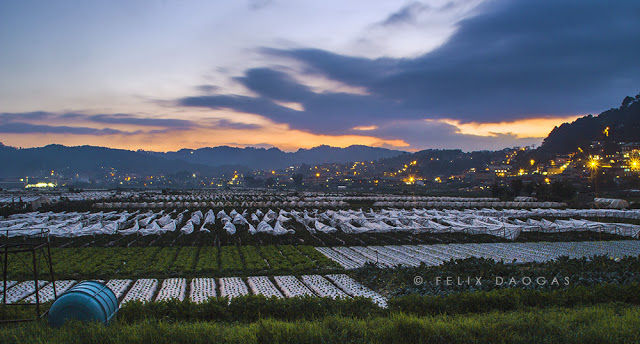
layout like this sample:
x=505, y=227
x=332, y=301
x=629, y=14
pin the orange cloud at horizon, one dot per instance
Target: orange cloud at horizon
x=277, y=136
x=524, y=128
x=365, y=127
x=209, y=128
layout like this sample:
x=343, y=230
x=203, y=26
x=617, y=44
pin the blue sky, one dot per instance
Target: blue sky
x=408, y=75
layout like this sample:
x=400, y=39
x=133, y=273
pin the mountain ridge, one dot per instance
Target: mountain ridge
x=207, y=160
x=623, y=123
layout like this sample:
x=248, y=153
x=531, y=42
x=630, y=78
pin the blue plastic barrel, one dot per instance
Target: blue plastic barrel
x=86, y=301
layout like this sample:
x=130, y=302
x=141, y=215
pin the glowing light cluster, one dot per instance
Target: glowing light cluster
x=41, y=185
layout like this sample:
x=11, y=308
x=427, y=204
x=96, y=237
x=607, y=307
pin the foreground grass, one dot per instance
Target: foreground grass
x=253, y=308
x=609, y=323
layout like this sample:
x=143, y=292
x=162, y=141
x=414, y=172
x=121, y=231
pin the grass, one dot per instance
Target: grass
x=608, y=323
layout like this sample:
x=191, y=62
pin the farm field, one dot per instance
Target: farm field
x=472, y=275
x=199, y=290
x=414, y=255
x=219, y=238
x=505, y=223
x=320, y=227
x=378, y=283
x=244, y=260
x=266, y=198
x=189, y=261
x=370, y=299
x=179, y=261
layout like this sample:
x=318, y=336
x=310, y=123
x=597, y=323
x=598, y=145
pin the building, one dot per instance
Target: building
x=630, y=149
x=500, y=170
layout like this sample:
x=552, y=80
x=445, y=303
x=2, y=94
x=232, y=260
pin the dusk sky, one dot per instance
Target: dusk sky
x=165, y=75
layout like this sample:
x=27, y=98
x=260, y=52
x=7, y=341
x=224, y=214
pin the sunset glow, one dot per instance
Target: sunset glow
x=165, y=75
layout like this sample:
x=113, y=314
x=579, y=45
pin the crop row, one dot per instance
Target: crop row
x=431, y=255
x=117, y=262
x=481, y=274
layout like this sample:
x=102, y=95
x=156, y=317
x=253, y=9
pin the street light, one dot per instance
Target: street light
x=593, y=164
x=634, y=164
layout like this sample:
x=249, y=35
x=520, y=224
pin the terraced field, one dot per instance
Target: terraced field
x=432, y=255
x=201, y=289
x=180, y=261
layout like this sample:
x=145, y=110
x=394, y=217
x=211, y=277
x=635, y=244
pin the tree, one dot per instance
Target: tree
x=498, y=190
x=516, y=186
x=562, y=190
x=297, y=179
x=529, y=188
x=251, y=181
x=542, y=192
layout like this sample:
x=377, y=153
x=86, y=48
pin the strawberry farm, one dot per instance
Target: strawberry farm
x=282, y=260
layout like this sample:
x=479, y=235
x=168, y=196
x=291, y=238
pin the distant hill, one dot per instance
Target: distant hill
x=273, y=158
x=623, y=124
x=87, y=160
x=208, y=161
x=441, y=162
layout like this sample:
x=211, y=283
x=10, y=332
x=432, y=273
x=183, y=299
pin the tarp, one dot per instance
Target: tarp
x=230, y=228
x=187, y=228
x=324, y=228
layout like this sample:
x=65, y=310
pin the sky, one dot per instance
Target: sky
x=164, y=75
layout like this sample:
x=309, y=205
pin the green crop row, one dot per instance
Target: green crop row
x=320, y=259
x=207, y=260
x=298, y=261
x=131, y=262
x=163, y=260
x=138, y=260
x=277, y=262
x=252, y=259
x=186, y=259
x=230, y=259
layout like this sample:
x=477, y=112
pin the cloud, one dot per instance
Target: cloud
x=259, y=4
x=407, y=14
x=26, y=128
x=512, y=60
x=418, y=13
x=207, y=88
x=226, y=124
x=365, y=128
x=441, y=135
x=274, y=84
x=325, y=113
x=254, y=105
x=111, y=124
x=141, y=121
x=8, y=117
x=39, y=116
x=356, y=71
